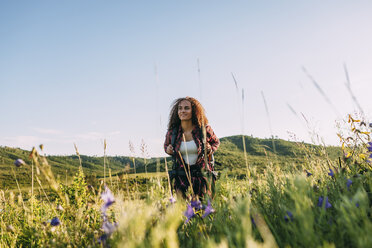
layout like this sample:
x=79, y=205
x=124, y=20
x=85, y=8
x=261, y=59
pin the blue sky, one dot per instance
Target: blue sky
x=82, y=71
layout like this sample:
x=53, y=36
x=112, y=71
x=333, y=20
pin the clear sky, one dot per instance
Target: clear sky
x=84, y=71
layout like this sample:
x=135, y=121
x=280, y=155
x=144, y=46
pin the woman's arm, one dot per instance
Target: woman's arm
x=167, y=141
x=212, y=139
x=168, y=148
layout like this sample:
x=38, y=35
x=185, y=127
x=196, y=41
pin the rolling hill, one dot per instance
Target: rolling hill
x=230, y=155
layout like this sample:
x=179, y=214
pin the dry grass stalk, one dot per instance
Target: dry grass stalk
x=169, y=182
x=187, y=174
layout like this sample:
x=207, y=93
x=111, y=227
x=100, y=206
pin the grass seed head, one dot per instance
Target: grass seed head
x=10, y=228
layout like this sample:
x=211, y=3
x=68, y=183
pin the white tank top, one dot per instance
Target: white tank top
x=192, y=152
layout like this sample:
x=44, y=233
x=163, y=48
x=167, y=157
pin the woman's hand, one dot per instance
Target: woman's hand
x=209, y=148
x=170, y=150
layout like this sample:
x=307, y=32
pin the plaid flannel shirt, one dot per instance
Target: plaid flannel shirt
x=211, y=139
x=200, y=184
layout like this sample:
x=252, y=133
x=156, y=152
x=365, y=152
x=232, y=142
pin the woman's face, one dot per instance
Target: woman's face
x=184, y=110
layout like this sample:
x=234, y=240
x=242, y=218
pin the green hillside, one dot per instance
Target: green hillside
x=230, y=155
x=259, y=151
x=63, y=167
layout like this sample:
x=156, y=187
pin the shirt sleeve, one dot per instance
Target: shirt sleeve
x=212, y=138
x=167, y=141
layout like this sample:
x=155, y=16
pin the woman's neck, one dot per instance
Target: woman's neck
x=187, y=125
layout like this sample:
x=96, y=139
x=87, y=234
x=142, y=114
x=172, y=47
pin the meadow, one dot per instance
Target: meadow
x=316, y=198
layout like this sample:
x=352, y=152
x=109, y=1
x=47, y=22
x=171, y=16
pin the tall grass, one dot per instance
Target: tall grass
x=242, y=123
x=320, y=203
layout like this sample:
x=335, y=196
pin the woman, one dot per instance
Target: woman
x=184, y=142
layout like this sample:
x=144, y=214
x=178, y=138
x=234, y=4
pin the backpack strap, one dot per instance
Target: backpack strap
x=174, y=136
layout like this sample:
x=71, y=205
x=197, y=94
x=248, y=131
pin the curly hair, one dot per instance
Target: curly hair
x=198, y=113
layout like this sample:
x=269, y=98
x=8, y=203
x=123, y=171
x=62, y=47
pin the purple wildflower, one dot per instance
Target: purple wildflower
x=369, y=149
x=19, y=162
x=369, y=146
x=289, y=216
x=253, y=222
x=189, y=213
x=208, y=209
x=196, y=204
x=108, y=199
x=102, y=239
x=108, y=227
x=331, y=173
x=172, y=200
x=55, y=222
x=327, y=204
x=348, y=183
x=308, y=173
x=370, y=124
